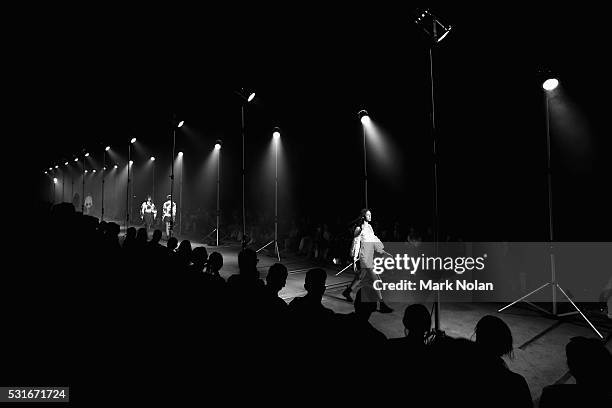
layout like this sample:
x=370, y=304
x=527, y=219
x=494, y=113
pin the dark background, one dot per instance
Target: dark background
x=97, y=78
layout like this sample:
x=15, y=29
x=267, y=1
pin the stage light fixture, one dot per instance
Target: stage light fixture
x=131, y=162
x=85, y=171
x=180, y=154
x=251, y=97
x=107, y=148
x=65, y=164
x=432, y=26
x=181, y=123
x=152, y=158
x=56, y=166
x=550, y=84
x=76, y=159
x=50, y=168
x=276, y=133
x=218, y=144
x=116, y=166
x=86, y=154
x=133, y=140
x=93, y=171
x=364, y=117
x=55, y=180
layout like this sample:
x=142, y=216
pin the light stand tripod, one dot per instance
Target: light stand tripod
x=276, y=139
x=553, y=281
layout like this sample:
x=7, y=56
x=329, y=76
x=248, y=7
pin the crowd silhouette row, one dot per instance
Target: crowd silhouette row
x=145, y=311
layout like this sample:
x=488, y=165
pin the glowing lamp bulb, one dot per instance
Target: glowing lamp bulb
x=550, y=84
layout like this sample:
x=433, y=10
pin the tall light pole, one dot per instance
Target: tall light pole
x=153, y=181
x=103, y=178
x=175, y=125
x=365, y=121
x=83, y=192
x=218, y=145
x=436, y=31
x=180, y=154
x=276, y=140
x=246, y=97
x=127, y=190
x=550, y=85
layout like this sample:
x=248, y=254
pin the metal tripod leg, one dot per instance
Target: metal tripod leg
x=275, y=248
x=579, y=311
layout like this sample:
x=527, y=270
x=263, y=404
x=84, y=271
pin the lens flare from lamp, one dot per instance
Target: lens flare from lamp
x=550, y=84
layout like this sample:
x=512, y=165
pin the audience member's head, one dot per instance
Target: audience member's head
x=315, y=282
x=215, y=262
x=494, y=336
x=277, y=277
x=363, y=310
x=416, y=320
x=172, y=243
x=131, y=233
x=589, y=361
x=247, y=263
x=141, y=236
x=184, y=250
x=157, y=235
x=199, y=256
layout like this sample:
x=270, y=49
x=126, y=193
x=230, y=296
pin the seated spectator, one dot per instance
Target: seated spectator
x=275, y=281
x=359, y=327
x=130, y=239
x=214, y=265
x=310, y=306
x=417, y=324
x=247, y=280
x=591, y=365
x=199, y=259
x=494, y=338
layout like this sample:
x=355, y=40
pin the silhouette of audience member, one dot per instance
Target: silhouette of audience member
x=172, y=244
x=310, y=305
x=359, y=326
x=130, y=239
x=142, y=238
x=183, y=255
x=214, y=265
x=199, y=259
x=591, y=365
x=417, y=325
x=494, y=338
x=247, y=279
x=275, y=281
